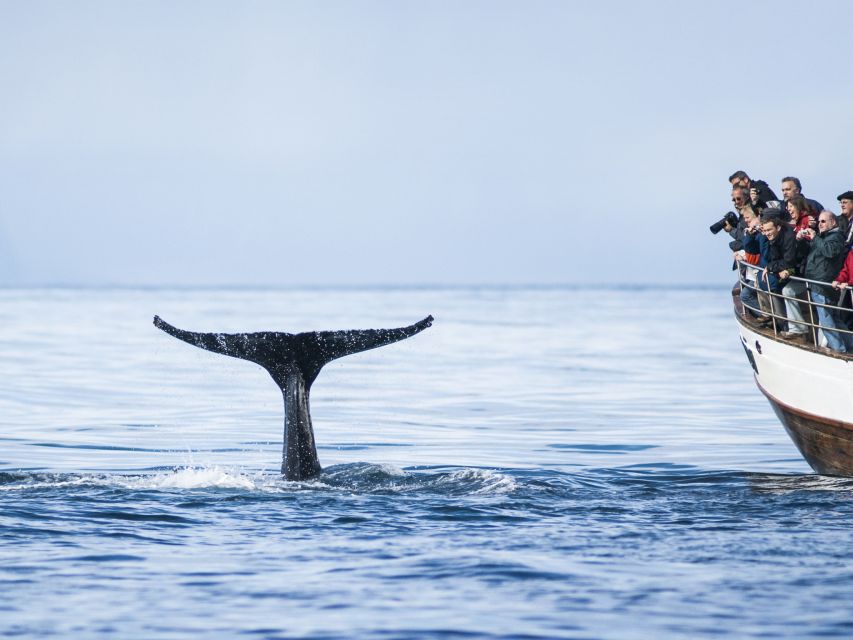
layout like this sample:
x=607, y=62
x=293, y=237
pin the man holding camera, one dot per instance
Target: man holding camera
x=825, y=260
x=743, y=205
x=761, y=195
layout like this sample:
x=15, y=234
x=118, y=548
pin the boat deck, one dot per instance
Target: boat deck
x=774, y=326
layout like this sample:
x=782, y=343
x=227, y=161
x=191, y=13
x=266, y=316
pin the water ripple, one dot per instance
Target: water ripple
x=540, y=464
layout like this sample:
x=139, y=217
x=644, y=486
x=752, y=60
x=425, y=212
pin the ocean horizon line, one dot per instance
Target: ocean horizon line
x=533, y=286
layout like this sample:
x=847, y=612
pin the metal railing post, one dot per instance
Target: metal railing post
x=837, y=314
x=812, y=327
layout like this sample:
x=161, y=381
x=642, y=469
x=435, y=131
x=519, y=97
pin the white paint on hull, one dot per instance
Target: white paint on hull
x=801, y=378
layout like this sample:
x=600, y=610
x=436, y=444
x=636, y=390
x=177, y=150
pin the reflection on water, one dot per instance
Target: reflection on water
x=541, y=463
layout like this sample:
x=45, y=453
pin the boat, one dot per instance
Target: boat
x=809, y=386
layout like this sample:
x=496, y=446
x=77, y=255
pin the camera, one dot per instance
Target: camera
x=730, y=218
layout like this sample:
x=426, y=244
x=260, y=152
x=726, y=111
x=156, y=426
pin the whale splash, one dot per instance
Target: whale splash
x=294, y=361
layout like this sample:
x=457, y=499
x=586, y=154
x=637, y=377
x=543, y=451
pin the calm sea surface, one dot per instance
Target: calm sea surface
x=553, y=463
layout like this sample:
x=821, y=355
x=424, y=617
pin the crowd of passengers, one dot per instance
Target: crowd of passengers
x=794, y=236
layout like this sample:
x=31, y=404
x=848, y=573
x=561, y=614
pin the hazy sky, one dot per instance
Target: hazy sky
x=320, y=142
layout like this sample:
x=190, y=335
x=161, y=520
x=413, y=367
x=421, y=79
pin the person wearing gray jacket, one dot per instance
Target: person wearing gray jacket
x=825, y=260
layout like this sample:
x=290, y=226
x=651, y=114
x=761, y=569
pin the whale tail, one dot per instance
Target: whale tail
x=294, y=361
x=279, y=352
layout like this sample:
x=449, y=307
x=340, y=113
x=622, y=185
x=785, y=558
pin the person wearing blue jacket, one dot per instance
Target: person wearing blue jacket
x=753, y=242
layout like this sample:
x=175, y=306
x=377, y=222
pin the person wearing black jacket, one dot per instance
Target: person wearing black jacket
x=843, y=220
x=795, y=288
x=765, y=194
x=781, y=259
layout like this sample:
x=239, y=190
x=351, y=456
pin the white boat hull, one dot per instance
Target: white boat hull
x=811, y=393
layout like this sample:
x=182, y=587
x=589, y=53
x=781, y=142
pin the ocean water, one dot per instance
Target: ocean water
x=541, y=463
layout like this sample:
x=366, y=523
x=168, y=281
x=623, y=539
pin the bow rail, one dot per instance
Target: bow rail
x=772, y=306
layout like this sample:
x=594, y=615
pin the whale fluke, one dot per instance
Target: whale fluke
x=294, y=361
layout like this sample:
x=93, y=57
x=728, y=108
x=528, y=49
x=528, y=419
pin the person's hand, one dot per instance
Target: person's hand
x=727, y=227
x=842, y=285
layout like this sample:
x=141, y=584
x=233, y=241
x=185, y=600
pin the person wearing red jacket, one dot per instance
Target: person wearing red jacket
x=845, y=277
x=842, y=281
x=801, y=218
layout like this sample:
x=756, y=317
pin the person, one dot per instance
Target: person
x=748, y=248
x=764, y=196
x=801, y=224
x=845, y=220
x=746, y=218
x=781, y=259
x=740, y=200
x=843, y=281
x=791, y=187
x=825, y=259
x=800, y=214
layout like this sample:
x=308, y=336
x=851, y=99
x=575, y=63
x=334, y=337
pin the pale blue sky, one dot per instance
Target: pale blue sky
x=303, y=143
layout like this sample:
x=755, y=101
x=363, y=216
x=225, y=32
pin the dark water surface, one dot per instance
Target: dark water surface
x=540, y=463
